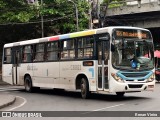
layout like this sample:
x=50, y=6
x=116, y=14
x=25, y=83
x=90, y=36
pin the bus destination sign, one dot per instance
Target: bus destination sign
x=126, y=33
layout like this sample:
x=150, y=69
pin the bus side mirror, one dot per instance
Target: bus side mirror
x=112, y=48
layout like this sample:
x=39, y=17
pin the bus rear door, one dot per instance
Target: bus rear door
x=15, y=65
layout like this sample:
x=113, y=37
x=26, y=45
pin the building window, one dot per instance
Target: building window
x=68, y=49
x=52, y=51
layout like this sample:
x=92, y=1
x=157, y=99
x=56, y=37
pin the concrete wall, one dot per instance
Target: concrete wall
x=132, y=9
x=146, y=6
x=152, y=23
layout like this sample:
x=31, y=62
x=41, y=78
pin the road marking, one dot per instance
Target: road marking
x=10, y=89
x=103, y=108
x=108, y=107
x=2, y=90
x=24, y=102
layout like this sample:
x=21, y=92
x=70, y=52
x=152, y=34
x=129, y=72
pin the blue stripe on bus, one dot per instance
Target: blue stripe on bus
x=92, y=71
x=120, y=74
x=66, y=36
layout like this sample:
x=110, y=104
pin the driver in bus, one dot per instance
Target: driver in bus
x=130, y=55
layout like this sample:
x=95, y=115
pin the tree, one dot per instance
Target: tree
x=15, y=11
x=21, y=19
x=59, y=16
x=65, y=10
x=52, y=10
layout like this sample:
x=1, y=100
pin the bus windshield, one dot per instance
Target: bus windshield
x=133, y=52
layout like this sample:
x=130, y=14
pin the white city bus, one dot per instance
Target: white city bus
x=105, y=60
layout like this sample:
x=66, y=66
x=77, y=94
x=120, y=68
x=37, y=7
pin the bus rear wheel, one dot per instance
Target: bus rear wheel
x=28, y=84
x=120, y=94
x=84, y=88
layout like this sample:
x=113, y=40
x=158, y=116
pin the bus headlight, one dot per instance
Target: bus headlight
x=117, y=78
x=151, y=78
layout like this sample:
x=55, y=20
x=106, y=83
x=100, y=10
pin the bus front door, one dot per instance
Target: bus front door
x=103, y=56
x=15, y=67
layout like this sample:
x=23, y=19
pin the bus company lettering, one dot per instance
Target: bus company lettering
x=72, y=67
x=75, y=67
x=31, y=67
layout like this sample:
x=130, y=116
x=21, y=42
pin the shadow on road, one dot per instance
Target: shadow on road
x=158, y=82
x=93, y=96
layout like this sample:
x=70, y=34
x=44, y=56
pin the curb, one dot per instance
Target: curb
x=3, y=83
x=8, y=103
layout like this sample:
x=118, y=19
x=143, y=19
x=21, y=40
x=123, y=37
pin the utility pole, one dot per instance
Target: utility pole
x=98, y=11
x=76, y=11
x=90, y=14
x=93, y=12
x=102, y=13
x=42, y=25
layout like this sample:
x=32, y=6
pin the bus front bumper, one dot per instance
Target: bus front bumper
x=133, y=87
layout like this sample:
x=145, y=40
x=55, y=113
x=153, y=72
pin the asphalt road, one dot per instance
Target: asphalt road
x=54, y=100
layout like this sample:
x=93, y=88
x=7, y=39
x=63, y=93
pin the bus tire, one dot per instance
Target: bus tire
x=28, y=84
x=84, y=88
x=120, y=94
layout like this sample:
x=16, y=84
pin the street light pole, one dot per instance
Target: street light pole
x=76, y=13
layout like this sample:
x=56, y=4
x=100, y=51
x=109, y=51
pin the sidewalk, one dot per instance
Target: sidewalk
x=5, y=99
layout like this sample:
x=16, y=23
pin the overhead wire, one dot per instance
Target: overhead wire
x=34, y=22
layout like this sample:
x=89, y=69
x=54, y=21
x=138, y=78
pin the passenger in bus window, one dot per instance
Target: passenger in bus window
x=24, y=57
x=130, y=55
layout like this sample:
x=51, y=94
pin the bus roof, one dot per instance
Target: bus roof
x=69, y=35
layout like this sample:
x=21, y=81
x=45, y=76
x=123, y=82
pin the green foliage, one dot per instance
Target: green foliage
x=66, y=10
x=113, y=3
x=60, y=14
x=22, y=21
x=15, y=11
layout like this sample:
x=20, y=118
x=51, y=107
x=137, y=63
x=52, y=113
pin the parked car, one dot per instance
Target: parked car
x=157, y=68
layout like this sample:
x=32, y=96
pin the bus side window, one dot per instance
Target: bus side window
x=85, y=47
x=39, y=52
x=52, y=51
x=68, y=49
x=5, y=59
x=27, y=53
x=7, y=56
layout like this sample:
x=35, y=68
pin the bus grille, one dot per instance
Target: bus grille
x=135, y=86
x=138, y=80
x=135, y=74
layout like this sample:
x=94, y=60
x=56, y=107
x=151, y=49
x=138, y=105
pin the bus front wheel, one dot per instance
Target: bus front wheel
x=84, y=88
x=28, y=84
x=120, y=94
